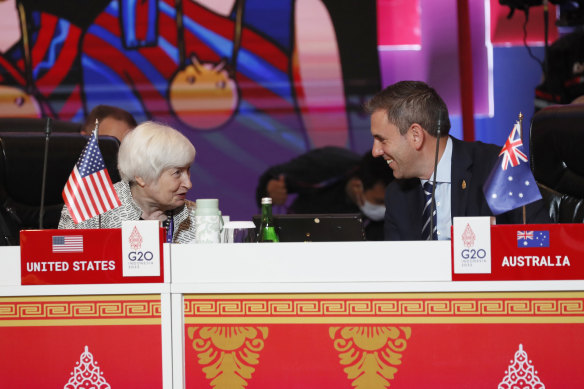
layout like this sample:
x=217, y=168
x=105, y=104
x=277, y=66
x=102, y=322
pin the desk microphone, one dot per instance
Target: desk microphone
x=44, y=181
x=433, y=200
x=168, y=225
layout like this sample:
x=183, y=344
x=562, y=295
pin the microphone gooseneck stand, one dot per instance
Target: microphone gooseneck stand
x=168, y=225
x=44, y=181
x=433, y=201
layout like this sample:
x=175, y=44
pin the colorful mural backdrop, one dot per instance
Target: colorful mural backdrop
x=250, y=82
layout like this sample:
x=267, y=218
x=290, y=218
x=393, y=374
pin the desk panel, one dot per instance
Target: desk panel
x=340, y=315
x=410, y=340
x=72, y=341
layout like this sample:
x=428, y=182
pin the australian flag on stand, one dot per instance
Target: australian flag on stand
x=511, y=184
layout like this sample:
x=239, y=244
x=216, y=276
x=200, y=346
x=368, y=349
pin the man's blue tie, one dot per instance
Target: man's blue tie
x=426, y=214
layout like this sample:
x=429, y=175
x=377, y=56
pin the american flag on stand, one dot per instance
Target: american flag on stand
x=511, y=183
x=89, y=191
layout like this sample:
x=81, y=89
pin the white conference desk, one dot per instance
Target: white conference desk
x=280, y=294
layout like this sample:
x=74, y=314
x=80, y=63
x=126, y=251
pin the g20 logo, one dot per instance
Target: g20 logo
x=140, y=256
x=473, y=254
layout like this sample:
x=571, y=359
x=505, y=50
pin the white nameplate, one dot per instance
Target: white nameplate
x=140, y=248
x=471, y=244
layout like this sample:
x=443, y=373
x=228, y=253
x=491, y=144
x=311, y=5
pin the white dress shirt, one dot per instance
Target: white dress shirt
x=442, y=192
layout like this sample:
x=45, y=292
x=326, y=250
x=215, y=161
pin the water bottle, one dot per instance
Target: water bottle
x=267, y=231
x=208, y=221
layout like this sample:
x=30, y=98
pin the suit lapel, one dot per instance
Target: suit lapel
x=417, y=209
x=414, y=205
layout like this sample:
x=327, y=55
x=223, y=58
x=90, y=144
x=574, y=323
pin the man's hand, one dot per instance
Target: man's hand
x=354, y=190
x=276, y=189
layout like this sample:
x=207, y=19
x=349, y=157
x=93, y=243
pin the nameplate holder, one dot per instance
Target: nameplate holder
x=77, y=256
x=471, y=245
x=141, y=248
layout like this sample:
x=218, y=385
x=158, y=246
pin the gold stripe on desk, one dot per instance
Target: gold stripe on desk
x=483, y=307
x=79, y=310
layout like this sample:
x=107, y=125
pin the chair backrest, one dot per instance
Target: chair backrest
x=557, y=159
x=562, y=208
x=21, y=167
x=16, y=124
x=557, y=148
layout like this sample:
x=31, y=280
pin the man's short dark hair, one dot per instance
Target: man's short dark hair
x=102, y=111
x=409, y=102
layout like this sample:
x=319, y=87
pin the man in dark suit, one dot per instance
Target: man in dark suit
x=404, y=124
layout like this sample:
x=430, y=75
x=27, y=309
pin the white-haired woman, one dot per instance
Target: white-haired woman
x=154, y=161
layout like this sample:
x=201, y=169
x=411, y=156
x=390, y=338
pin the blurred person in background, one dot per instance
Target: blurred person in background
x=113, y=121
x=330, y=180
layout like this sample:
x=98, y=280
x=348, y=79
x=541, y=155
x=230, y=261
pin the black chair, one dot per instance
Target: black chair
x=557, y=160
x=21, y=167
x=16, y=124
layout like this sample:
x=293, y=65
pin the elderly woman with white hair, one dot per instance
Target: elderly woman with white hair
x=154, y=162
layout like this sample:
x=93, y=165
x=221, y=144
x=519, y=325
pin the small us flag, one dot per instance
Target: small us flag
x=533, y=239
x=68, y=244
x=89, y=191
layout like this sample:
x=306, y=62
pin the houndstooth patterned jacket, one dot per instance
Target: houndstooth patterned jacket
x=184, y=219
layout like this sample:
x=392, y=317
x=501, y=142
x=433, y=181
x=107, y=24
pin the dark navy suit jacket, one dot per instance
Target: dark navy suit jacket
x=472, y=163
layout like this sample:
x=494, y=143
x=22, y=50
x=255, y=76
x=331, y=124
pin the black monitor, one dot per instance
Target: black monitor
x=317, y=227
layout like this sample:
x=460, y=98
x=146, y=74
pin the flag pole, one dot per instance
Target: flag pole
x=96, y=132
x=520, y=128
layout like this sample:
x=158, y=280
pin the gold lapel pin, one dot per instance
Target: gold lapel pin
x=463, y=184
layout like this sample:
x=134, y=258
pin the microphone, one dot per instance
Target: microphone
x=433, y=199
x=44, y=181
x=168, y=225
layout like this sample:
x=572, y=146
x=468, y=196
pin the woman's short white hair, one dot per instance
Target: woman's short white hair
x=151, y=148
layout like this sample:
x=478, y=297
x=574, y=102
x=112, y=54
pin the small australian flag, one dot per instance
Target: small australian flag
x=533, y=239
x=511, y=184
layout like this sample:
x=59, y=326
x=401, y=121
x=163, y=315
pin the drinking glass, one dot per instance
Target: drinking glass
x=239, y=232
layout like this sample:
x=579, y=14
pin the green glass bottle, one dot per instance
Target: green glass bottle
x=267, y=231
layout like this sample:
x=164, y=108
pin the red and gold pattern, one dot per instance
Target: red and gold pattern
x=74, y=310
x=228, y=354
x=370, y=354
x=46, y=334
x=382, y=340
x=394, y=308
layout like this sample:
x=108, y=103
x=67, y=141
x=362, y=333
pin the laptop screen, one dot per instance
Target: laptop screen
x=317, y=227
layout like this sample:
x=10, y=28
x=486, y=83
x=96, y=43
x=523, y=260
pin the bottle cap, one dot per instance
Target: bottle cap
x=266, y=200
